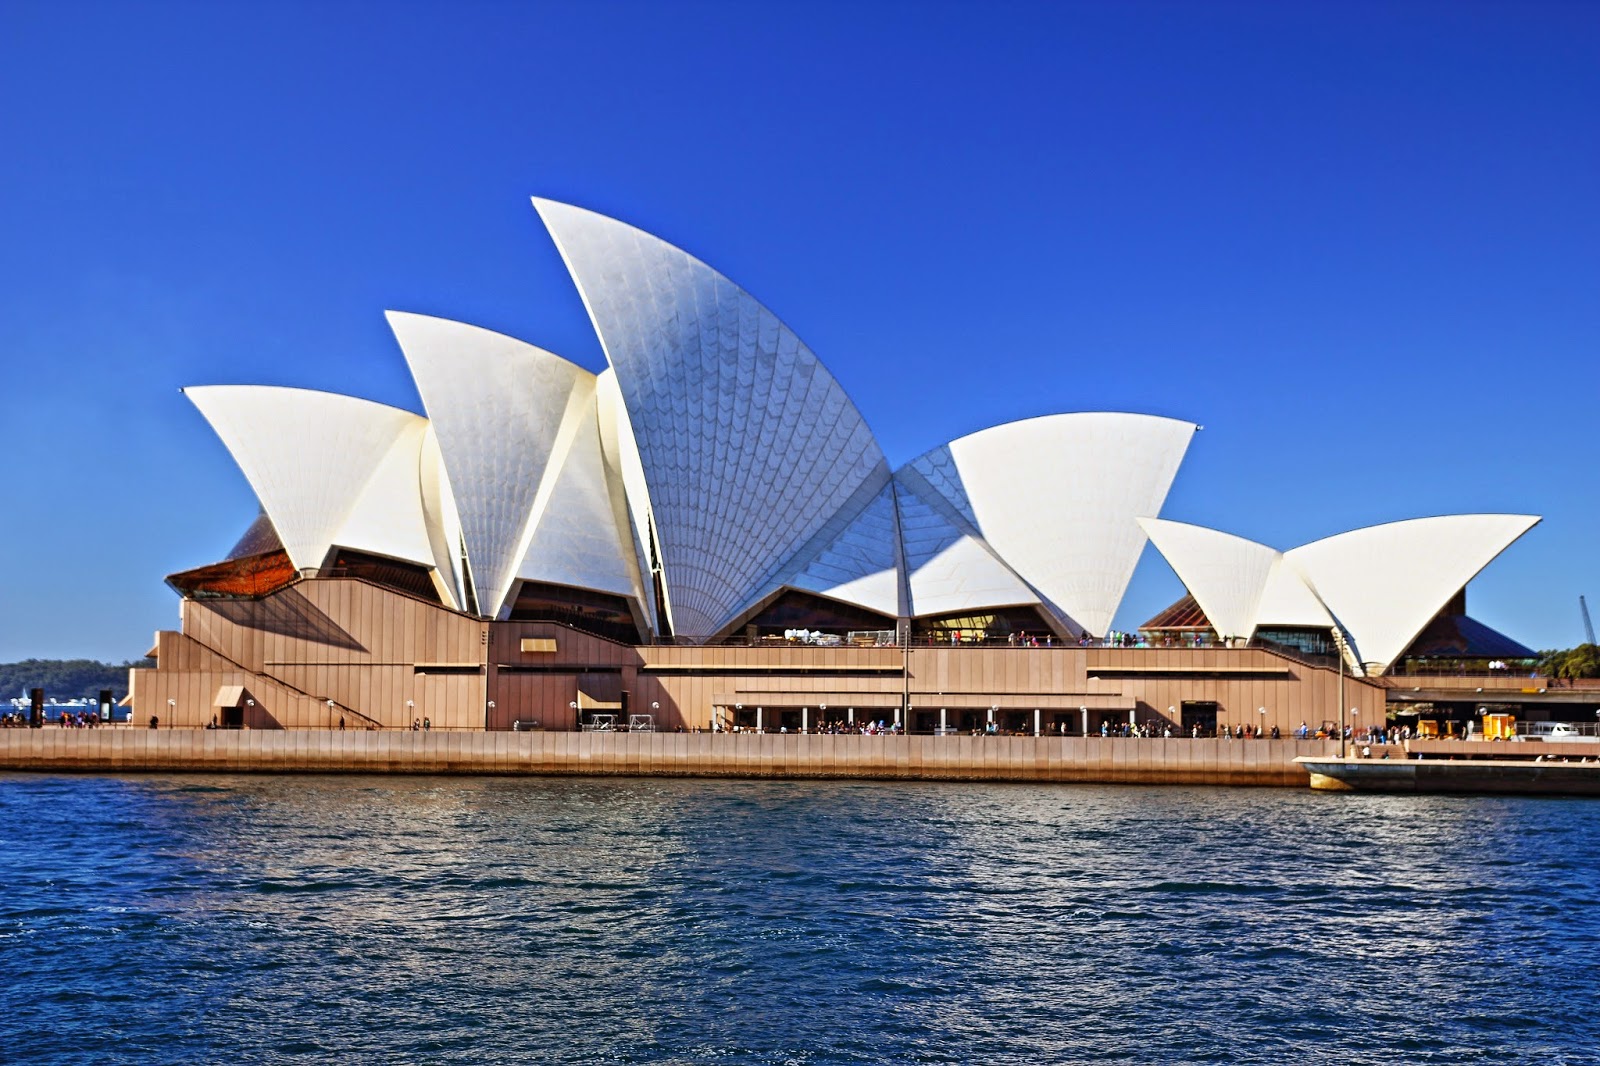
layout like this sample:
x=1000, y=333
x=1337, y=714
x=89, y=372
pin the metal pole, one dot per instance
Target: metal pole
x=1339, y=647
x=905, y=669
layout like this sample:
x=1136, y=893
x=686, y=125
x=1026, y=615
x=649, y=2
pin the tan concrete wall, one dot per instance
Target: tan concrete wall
x=360, y=646
x=964, y=758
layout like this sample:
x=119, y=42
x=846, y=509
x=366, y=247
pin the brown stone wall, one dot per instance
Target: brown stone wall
x=386, y=659
x=964, y=758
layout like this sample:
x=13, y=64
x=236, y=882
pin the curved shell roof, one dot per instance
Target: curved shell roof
x=719, y=462
x=506, y=414
x=1381, y=585
x=1385, y=583
x=1225, y=574
x=748, y=446
x=1058, y=499
x=323, y=464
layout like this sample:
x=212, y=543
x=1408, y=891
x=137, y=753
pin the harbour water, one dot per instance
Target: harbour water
x=169, y=919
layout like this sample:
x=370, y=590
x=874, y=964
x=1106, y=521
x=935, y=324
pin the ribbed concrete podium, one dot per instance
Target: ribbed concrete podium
x=913, y=758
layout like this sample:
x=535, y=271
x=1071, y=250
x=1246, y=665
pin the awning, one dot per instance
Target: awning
x=229, y=696
x=836, y=699
x=1022, y=701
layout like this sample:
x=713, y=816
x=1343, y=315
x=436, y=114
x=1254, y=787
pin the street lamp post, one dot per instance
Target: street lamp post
x=1338, y=646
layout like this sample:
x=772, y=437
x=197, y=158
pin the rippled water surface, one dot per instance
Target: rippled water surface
x=412, y=919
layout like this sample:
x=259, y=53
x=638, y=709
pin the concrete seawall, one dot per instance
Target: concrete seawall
x=913, y=758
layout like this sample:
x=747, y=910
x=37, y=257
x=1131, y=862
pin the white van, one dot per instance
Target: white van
x=1553, y=731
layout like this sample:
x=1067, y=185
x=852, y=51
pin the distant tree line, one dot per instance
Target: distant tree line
x=1582, y=661
x=66, y=679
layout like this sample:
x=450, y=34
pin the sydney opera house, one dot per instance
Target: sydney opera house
x=706, y=535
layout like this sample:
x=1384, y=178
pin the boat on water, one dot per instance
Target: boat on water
x=1550, y=769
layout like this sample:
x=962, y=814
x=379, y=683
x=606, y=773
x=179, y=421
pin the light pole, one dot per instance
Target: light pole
x=487, y=715
x=576, y=718
x=411, y=707
x=1338, y=646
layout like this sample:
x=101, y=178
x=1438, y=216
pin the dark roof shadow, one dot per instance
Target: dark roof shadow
x=286, y=613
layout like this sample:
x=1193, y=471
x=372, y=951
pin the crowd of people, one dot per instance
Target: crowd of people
x=66, y=720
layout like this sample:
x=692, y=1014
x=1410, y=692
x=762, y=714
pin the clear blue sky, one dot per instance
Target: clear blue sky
x=1359, y=242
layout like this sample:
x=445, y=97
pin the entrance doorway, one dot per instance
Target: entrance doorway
x=1202, y=713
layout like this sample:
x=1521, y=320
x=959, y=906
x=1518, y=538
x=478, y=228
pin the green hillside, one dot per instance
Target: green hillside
x=66, y=679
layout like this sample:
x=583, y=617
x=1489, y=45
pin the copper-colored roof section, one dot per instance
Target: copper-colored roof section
x=252, y=575
x=1185, y=614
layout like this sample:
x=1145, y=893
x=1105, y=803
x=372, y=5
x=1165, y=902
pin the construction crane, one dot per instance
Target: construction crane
x=1588, y=626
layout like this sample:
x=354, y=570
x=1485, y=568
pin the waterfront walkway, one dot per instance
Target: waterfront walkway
x=953, y=758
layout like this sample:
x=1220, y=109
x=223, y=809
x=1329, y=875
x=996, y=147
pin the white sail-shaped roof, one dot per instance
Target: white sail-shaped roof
x=1385, y=583
x=948, y=566
x=1225, y=574
x=748, y=446
x=499, y=407
x=579, y=539
x=442, y=521
x=1286, y=600
x=1058, y=499
x=855, y=558
x=1380, y=586
x=387, y=517
x=625, y=479
x=311, y=458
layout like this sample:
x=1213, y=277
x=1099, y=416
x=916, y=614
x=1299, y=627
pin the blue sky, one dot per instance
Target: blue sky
x=1359, y=243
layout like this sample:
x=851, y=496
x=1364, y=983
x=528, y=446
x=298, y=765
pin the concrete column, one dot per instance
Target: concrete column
x=805, y=719
x=1132, y=720
x=897, y=716
x=1037, y=730
x=1085, y=712
x=942, y=724
x=850, y=714
x=758, y=720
